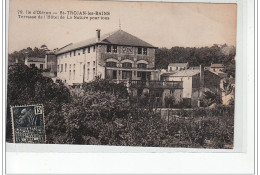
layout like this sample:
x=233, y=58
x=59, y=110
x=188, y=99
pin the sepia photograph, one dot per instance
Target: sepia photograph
x=139, y=74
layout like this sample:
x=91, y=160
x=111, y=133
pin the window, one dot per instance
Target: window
x=114, y=74
x=108, y=48
x=127, y=65
x=32, y=65
x=73, y=74
x=70, y=54
x=142, y=66
x=94, y=48
x=139, y=74
x=88, y=64
x=80, y=69
x=145, y=51
x=74, y=66
x=88, y=74
x=111, y=64
x=78, y=52
x=74, y=52
x=88, y=49
x=61, y=68
x=94, y=63
x=127, y=75
x=70, y=75
x=70, y=66
x=84, y=50
x=41, y=66
x=94, y=72
x=114, y=48
x=58, y=68
x=139, y=50
x=65, y=67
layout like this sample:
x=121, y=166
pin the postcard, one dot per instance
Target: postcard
x=142, y=74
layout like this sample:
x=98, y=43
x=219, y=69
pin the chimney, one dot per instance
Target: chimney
x=98, y=35
x=201, y=76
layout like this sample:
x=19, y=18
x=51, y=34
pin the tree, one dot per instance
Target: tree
x=195, y=56
x=27, y=86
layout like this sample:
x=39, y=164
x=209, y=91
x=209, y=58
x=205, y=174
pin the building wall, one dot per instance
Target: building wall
x=212, y=81
x=175, y=93
x=217, y=69
x=187, y=85
x=195, y=97
x=75, y=72
x=95, y=63
x=51, y=63
x=37, y=64
x=174, y=68
x=126, y=54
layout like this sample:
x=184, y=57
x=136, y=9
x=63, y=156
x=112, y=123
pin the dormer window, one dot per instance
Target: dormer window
x=108, y=48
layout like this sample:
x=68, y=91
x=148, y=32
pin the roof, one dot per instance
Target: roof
x=178, y=64
x=217, y=65
x=36, y=59
x=219, y=73
x=183, y=73
x=168, y=73
x=118, y=37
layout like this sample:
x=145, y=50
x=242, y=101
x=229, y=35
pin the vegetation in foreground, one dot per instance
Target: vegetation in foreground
x=102, y=113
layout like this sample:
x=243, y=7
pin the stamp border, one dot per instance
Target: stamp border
x=12, y=118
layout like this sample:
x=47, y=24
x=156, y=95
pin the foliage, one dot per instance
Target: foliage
x=104, y=85
x=169, y=101
x=103, y=118
x=196, y=56
x=28, y=52
x=210, y=97
x=27, y=86
x=100, y=115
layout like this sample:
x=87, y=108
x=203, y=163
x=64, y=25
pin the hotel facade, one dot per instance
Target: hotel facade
x=120, y=57
x=117, y=56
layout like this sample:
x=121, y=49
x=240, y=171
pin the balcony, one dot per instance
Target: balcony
x=132, y=69
x=151, y=84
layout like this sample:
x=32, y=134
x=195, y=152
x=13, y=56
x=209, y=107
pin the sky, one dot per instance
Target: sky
x=160, y=24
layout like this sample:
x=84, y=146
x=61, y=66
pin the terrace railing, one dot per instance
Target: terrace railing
x=151, y=84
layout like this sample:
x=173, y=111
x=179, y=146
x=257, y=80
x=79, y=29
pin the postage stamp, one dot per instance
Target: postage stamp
x=28, y=124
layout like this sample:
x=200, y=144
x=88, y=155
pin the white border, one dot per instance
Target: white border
x=189, y=163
